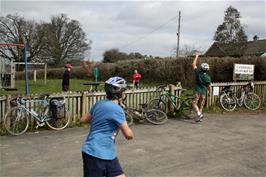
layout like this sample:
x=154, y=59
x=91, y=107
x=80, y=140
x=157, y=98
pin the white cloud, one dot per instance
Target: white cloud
x=128, y=24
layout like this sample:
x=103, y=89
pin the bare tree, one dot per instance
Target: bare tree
x=186, y=50
x=15, y=29
x=64, y=40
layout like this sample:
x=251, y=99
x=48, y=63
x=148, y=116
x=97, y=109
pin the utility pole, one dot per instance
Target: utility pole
x=178, y=34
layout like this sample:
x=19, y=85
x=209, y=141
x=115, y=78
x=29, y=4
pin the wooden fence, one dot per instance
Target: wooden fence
x=80, y=102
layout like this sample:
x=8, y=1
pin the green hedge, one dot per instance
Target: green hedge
x=168, y=70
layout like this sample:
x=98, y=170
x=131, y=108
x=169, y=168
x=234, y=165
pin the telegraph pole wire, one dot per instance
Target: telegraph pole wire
x=145, y=36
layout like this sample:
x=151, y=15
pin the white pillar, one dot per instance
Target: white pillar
x=34, y=75
x=13, y=74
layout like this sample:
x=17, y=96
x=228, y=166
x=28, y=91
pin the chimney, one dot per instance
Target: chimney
x=255, y=38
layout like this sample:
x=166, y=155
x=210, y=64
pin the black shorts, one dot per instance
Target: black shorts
x=95, y=167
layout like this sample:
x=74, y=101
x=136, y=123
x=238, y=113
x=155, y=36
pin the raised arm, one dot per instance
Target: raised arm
x=194, y=64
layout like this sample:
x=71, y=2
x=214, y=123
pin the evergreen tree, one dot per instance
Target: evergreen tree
x=231, y=29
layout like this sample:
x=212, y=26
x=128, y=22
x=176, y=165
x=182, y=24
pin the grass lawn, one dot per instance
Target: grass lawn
x=52, y=86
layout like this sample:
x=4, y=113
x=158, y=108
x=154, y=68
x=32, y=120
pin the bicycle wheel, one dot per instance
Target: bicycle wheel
x=156, y=116
x=228, y=102
x=157, y=104
x=16, y=121
x=58, y=123
x=129, y=118
x=252, y=101
x=186, y=109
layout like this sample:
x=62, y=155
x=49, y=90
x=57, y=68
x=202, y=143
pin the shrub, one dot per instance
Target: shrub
x=168, y=70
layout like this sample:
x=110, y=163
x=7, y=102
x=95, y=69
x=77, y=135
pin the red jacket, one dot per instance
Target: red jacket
x=136, y=77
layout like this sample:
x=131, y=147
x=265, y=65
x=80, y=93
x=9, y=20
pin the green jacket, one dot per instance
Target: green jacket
x=202, y=81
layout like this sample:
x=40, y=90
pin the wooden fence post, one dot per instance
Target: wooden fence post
x=8, y=106
x=172, y=92
x=84, y=103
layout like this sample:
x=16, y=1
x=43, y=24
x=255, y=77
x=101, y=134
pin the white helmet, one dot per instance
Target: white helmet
x=205, y=66
x=115, y=85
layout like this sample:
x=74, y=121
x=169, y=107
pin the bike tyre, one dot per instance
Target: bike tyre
x=156, y=116
x=252, y=101
x=158, y=104
x=224, y=102
x=10, y=121
x=187, y=110
x=58, y=123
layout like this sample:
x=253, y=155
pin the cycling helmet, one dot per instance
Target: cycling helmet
x=115, y=85
x=205, y=66
x=68, y=66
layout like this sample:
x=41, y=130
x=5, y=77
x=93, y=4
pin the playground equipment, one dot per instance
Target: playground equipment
x=8, y=69
x=33, y=68
x=6, y=74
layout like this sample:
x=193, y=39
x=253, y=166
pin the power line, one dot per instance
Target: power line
x=143, y=37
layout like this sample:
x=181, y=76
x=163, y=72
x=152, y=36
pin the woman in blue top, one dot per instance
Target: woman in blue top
x=107, y=118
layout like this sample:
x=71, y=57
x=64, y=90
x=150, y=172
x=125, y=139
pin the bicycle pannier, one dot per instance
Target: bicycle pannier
x=57, y=108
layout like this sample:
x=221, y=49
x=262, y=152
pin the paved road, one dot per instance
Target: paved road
x=222, y=145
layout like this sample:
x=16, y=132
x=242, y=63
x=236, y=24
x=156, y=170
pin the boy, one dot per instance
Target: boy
x=203, y=82
x=107, y=118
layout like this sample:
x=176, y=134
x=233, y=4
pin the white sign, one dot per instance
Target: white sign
x=243, y=72
x=244, y=69
x=215, y=91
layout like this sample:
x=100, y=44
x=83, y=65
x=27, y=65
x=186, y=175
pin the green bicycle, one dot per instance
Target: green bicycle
x=181, y=105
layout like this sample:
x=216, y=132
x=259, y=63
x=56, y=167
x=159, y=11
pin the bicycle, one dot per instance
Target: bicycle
x=17, y=120
x=182, y=105
x=153, y=116
x=243, y=96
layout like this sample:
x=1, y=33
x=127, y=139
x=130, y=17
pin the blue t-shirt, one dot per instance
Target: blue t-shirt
x=100, y=142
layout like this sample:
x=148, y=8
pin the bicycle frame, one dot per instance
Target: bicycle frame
x=169, y=97
x=243, y=90
x=38, y=117
x=139, y=113
x=172, y=99
x=240, y=100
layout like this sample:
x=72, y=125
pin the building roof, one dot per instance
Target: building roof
x=219, y=49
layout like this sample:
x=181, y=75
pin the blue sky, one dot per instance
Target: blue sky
x=126, y=25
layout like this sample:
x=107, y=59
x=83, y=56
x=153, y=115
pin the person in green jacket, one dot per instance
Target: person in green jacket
x=201, y=88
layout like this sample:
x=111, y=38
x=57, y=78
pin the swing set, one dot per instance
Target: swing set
x=7, y=70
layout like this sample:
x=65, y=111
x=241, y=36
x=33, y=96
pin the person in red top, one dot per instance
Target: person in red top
x=135, y=78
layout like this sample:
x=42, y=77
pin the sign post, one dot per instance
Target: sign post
x=96, y=73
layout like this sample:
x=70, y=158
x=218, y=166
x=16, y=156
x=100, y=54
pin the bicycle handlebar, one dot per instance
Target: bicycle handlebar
x=161, y=88
x=21, y=101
